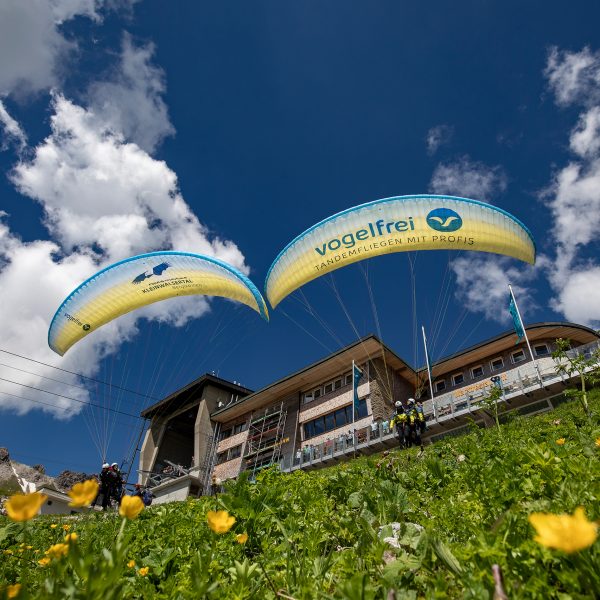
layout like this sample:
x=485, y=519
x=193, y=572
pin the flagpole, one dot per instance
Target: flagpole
x=429, y=372
x=353, y=393
x=537, y=368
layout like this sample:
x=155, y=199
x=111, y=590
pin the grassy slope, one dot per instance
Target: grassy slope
x=315, y=534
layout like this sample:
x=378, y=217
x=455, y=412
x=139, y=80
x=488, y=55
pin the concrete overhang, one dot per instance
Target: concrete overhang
x=365, y=349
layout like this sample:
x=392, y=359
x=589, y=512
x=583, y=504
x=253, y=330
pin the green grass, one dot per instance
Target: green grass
x=317, y=534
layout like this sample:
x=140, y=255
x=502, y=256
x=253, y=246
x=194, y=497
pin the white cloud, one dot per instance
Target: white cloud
x=482, y=285
x=12, y=130
x=574, y=77
x=31, y=46
x=103, y=200
x=574, y=194
x=468, y=179
x=33, y=50
x=130, y=100
x=438, y=136
x=99, y=192
x=585, y=139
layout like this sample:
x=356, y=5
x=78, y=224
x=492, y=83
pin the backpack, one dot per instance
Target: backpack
x=147, y=497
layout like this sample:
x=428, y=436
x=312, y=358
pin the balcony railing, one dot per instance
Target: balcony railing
x=523, y=380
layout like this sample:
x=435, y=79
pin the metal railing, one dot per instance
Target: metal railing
x=522, y=380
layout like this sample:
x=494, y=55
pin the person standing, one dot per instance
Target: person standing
x=414, y=433
x=400, y=422
x=117, y=484
x=106, y=478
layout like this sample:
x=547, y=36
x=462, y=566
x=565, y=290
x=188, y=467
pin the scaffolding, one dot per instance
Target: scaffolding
x=265, y=438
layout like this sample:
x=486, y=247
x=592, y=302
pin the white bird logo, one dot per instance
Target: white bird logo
x=442, y=222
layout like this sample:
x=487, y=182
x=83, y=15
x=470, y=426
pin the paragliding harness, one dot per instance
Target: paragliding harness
x=421, y=422
x=400, y=421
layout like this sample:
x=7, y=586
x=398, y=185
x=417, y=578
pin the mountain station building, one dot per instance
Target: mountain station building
x=214, y=429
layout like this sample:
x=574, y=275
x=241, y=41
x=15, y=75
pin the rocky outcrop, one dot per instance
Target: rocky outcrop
x=67, y=479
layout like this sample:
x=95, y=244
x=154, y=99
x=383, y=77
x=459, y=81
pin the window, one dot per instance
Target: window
x=497, y=363
x=328, y=388
x=229, y=454
x=458, y=378
x=235, y=452
x=226, y=433
x=440, y=386
x=541, y=350
x=310, y=396
x=348, y=378
x=240, y=427
x=477, y=371
x=329, y=422
x=518, y=356
x=337, y=384
x=339, y=418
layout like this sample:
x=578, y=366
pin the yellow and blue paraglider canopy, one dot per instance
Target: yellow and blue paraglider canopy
x=141, y=280
x=399, y=224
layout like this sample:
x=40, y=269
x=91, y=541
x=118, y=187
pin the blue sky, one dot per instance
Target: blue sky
x=229, y=129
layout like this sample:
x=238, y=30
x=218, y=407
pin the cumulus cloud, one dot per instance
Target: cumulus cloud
x=130, y=100
x=438, y=136
x=467, y=178
x=13, y=134
x=33, y=50
x=482, y=285
x=573, y=196
x=103, y=199
x=108, y=196
x=574, y=77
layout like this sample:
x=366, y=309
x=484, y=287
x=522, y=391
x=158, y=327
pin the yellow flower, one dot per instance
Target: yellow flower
x=561, y=441
x=53, y=526
x=71, y=537
x=44, y=562
x=9, y=551
x=12, y=591
x=84, y=493
x=131, y=564
x=143, y=571
x=66, y=527
x=57, y=551
x=598, y=442
x=564, y=532
x=131, y=507
x=29, y=547
x=241, y=538
x=220, y=521
x=22, y=507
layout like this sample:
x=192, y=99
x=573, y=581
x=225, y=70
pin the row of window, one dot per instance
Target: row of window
x=339, y=418
x=327, y=388
x=230, y=454
x=496, y=364
x=238, y=428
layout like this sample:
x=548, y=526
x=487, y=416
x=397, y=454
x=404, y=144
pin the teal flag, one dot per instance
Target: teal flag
x=356, y=377
x=517, y=323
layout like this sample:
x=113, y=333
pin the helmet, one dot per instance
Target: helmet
x=115, y=465
x=105, y=466
x=398, y=404
x=411, y=400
